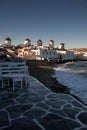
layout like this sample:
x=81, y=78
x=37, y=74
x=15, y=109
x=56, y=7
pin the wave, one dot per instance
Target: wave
x=74, y=81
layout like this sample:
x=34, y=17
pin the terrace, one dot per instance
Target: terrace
x=38, y=108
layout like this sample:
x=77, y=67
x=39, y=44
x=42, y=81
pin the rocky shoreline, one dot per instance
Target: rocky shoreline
x=43, y=71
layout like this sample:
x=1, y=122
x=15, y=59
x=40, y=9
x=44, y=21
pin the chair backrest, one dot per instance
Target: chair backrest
x=10, y=64
x=13, y=68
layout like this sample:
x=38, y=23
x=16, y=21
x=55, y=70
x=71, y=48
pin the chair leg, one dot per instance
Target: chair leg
x=21, y=84
x=26, y=82
x=2, y=84
x=8, y=82
x=13, y=85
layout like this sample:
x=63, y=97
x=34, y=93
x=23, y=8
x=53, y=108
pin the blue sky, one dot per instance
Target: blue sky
x=60, y=20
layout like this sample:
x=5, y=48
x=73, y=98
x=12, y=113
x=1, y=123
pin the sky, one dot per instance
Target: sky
x=59, y=20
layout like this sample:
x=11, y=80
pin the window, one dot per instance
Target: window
x=46, y=53
x=54, y=53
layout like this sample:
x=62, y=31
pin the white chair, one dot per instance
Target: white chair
x=26, y=80
x=15, y=80
x=3, y=81
x=17, y=71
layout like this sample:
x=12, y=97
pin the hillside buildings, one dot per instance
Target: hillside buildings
x=40, y=51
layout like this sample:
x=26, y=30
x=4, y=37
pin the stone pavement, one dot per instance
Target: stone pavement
x=37, y=108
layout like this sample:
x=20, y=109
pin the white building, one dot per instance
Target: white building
x=61, y=46
x=39, y=43
x=27, y=42
x=52, y=54
x=49, y=54
x=51, y=43
x=46, y=53
x=66, y=55
x=8, y=41
x=85, y=56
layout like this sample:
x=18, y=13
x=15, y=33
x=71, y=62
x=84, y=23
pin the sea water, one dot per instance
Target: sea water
x=74, y=76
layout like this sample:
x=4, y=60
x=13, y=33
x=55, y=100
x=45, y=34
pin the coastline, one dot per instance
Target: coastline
x=43, y=71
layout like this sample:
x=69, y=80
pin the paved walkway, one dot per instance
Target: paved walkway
x=37, y=108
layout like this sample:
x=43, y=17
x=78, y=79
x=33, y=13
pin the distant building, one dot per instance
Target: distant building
x=85, y=56
x=27, y=42
x=39, y=43
x=8, y=41
x=51, y=44
x=45, y=54
x=65, y=54
x=39, y=52
x=61, y=46
x=52, y=54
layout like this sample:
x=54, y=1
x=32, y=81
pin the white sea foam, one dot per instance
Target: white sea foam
x=75, y=82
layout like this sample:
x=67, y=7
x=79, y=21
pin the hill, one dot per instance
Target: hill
x=82, y=50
